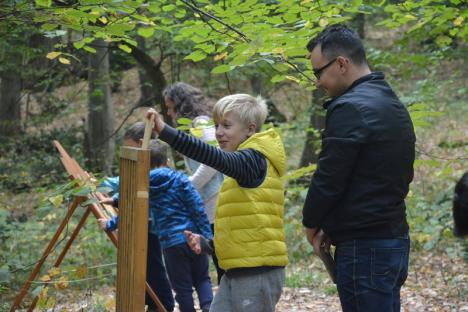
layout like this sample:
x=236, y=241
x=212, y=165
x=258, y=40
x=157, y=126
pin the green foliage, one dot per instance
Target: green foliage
x=442, y=23
x=31, y=161
x=87, y=265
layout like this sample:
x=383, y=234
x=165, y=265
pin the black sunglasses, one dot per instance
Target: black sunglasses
x=318, y=71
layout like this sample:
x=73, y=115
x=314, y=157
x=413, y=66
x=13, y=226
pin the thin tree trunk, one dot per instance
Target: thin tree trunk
x=274, y=115
x=10, y=104
x=316, y=121
x=147, y=97
x=100, y=122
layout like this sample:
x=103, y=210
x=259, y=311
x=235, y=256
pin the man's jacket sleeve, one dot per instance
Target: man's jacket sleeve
x=345, y=132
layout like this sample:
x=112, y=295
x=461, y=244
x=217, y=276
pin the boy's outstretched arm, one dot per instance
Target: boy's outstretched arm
x=247, y=166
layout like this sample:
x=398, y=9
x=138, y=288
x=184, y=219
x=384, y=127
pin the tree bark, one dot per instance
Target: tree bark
x=316, y=121
x=274, y=115
x=100, y=121
x=147, y=97
x=10, y=103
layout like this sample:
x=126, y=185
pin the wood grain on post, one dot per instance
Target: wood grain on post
x=133, y=229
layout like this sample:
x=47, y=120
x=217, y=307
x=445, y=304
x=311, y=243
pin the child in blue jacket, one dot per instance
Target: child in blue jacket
x=175, y=206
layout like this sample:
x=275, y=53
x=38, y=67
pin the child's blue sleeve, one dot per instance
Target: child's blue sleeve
x=112, y=224
x=194, y=203
x=112, y=183
x=116, y=198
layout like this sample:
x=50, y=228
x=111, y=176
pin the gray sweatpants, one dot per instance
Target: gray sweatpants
x=251, y=293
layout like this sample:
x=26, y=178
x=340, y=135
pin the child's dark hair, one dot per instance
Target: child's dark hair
x=158, y=153
x=460, y=207
x=136, y=132
x=189, y=101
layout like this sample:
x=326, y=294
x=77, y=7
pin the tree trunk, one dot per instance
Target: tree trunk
x=10, y=103
x=147, y=97
x=100, y=123
x=274, y=115
x=155, y=76
x=317, y=121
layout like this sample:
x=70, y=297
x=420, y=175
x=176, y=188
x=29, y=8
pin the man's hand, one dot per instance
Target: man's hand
x=103, y=223
x=318, y=239
x=158, y=121
x=193, y=240
x=310, y=234
x=321, y=243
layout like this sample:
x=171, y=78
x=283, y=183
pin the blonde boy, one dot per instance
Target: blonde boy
x=249, y=235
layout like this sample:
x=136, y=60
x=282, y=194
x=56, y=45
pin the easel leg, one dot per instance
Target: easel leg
x=65, y=249
x=45, y=254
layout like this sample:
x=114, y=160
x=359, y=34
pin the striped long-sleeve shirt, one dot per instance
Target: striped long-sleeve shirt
x=247, y=166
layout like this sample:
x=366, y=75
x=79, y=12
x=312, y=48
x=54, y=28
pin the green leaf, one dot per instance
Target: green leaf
x=168, y=8
x=145, y=32
x=125, y=48
x=196, y=56
x=79, y=44
x=184, y=121
x=89, y=202
x=221, y=69
x=278, y=78
x=56, y=200
x=44, y=3
x=89, y=49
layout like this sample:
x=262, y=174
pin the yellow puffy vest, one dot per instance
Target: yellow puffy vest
x=249, y=227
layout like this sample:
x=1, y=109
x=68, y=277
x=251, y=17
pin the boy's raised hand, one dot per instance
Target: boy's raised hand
x=158, y=121
x=193, y=240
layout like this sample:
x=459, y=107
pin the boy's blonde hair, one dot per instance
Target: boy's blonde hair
x=249, y=109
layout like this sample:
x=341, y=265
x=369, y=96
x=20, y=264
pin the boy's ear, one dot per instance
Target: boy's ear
x=140, y=142
x=252, y=127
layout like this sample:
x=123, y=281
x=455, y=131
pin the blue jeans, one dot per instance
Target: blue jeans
x=370, y=273
x=186, y=270
x=156, y=276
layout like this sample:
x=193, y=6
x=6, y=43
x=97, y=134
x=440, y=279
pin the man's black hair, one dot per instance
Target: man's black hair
x=158, y=153
x=136, y=132
x=339, y=40
x=460, y=207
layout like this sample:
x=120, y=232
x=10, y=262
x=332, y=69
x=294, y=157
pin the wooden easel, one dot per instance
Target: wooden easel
x=98, y=210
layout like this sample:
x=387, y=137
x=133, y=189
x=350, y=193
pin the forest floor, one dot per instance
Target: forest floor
x=435, y=283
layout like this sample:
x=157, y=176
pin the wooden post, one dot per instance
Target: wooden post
x=133, y=229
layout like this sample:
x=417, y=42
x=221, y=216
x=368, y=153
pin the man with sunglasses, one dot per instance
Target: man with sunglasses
x=356, y=197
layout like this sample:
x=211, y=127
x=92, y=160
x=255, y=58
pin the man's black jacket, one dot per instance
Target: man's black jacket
x=365, y=165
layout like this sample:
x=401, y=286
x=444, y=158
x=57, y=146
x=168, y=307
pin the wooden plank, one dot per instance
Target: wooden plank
x=133, y=229
x=130, y=153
